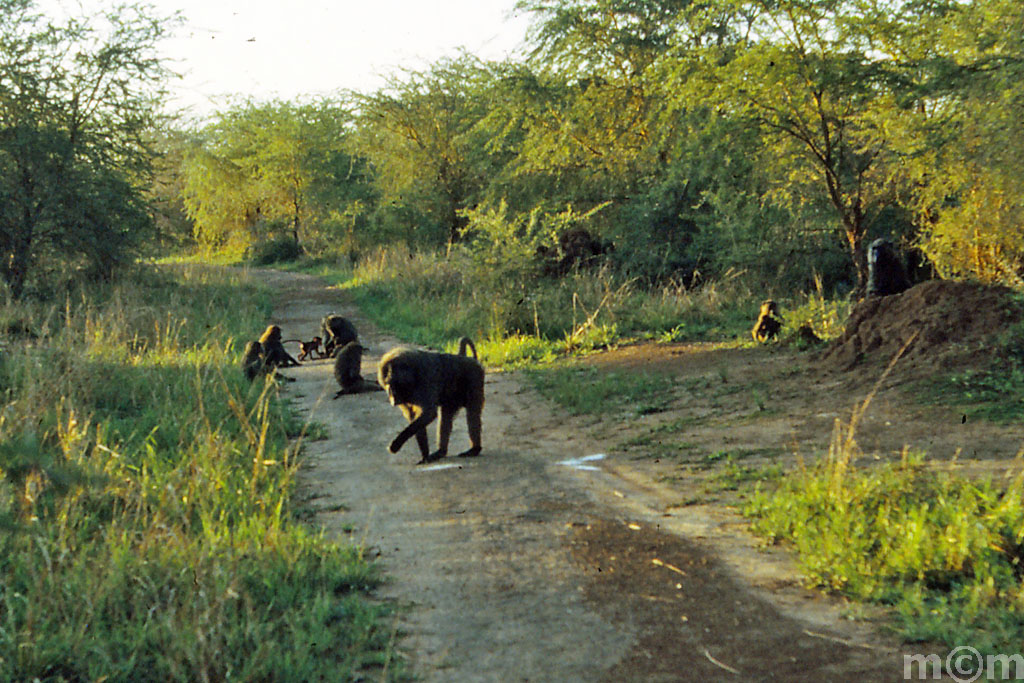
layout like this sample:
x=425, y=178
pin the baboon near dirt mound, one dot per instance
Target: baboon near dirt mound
x=337, y=331
x=886, y=275
x=348, y=370
x=421, y=383
x=768, y=322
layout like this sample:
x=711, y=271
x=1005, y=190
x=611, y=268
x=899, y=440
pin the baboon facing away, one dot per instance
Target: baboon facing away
x=421, y=383
x=768, y=322
x=337, y=332
x=885, y=269
x=274, y=353
x=348, y=362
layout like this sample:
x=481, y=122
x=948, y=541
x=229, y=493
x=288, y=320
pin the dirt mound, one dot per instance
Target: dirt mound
x=954, y=323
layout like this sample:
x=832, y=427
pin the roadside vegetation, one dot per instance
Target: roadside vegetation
x=146, y=498
x=650, y=170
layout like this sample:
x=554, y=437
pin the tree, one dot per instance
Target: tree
x=75, y=103
x=422, y=138
x=265, y=168
x=826, y=82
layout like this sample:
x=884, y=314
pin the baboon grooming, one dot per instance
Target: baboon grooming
x=348, y=370
x=337, y=332
x=274, y=354
x=422, y=382
x=252, y=361
x=885, y=269
x=768, y=322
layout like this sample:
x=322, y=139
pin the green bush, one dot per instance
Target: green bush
x=944, y=550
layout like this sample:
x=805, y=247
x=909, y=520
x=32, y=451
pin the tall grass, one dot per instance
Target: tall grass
x=518, y=317
x=145, y=499
x=946, y=551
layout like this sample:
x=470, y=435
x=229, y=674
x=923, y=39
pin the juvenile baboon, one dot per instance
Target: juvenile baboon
x=307, y=349
x=768, y=322
x=337, y=332
x=885, y=269
x=252, y=361
x=274, y=354
x=421, y=383
x=348, y=361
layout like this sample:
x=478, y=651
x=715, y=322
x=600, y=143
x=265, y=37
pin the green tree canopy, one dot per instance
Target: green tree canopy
x=76, y=100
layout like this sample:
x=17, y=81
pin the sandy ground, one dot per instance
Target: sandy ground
x=520, y=565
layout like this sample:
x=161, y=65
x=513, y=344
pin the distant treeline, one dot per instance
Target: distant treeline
x=675, y=140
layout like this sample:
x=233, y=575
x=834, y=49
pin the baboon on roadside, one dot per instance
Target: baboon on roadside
x=337, y=332
x=252, y=361
x=308, y=348
x=885, y=269
x=348, y=363
x=422, y=382
x=768, y=322
x=274, y=354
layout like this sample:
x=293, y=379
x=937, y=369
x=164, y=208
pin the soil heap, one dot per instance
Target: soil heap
x=955, y=324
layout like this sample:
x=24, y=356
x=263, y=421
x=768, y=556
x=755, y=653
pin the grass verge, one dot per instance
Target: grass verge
x=145, y=500
x=945, y=551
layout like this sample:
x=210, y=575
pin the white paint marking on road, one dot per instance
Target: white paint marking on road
x=441, y=466
x=580, y=463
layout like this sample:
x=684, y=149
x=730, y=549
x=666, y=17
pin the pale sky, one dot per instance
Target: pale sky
x=293, y=48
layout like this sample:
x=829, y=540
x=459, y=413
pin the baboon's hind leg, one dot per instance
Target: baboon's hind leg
x=473, y=425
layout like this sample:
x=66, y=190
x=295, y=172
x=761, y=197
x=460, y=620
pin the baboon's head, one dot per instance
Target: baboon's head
x=271, y=334
x=397, y=376
x=769, y=307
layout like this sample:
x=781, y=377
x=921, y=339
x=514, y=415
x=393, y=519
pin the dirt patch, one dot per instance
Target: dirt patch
x=941, y=324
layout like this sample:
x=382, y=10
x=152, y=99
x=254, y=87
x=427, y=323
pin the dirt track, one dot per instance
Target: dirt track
x=514, y=566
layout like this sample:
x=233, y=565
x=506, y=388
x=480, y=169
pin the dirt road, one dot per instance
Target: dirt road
x=521, y=565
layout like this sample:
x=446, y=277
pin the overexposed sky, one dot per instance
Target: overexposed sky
x=286, y=49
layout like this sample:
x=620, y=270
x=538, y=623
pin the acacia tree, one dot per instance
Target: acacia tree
x=422, y=137
x=826, y=82
x=75, y=102
x=261, y=168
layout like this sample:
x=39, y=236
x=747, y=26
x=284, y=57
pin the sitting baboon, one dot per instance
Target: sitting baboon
x=768, y=322
x=274, y=354
x=252, y=361
x=885, y=269
x=337, y=332
x=348, y=362
x=422, y=382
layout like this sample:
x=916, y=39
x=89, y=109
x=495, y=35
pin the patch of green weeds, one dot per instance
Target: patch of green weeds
x=945, y=551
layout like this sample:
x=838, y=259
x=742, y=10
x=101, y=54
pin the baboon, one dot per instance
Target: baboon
x=337, y=332
x=768, y=322
x=308, y=348
x=885, y=269
x=252, y=361
x=274, y=354
x=422, y=382
x=348, y=363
